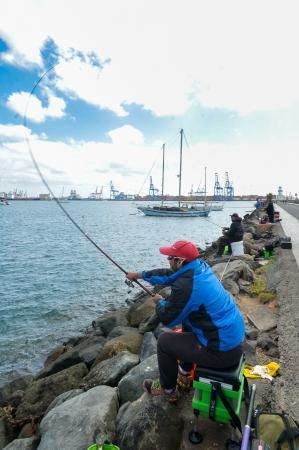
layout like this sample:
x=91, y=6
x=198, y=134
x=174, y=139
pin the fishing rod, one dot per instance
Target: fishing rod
x=216, y=224
x=128, y=282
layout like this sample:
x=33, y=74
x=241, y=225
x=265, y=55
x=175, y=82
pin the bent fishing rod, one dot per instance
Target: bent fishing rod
x=129, y=283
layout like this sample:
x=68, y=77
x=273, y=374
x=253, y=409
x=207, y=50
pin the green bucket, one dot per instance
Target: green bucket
x=267, y=254
x=103, y=447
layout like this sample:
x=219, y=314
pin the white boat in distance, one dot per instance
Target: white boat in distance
x=182, y=210
x=214, y=206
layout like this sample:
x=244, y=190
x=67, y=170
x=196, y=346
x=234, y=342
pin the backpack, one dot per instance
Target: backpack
x=274, y=431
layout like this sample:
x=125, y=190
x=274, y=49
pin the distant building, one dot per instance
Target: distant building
x=280, y=195
x=44, y=197
x=73, y=195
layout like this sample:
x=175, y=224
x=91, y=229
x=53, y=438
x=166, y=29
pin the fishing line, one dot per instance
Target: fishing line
x=216, y=224
x=225, y=267
x=56, y=199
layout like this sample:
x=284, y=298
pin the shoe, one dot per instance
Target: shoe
x=184, y=381
x=154, y=388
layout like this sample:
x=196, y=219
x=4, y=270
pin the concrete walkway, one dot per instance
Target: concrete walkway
x=283, y=276
x=290, y=225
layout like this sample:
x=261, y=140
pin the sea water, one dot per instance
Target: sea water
x=54, y=282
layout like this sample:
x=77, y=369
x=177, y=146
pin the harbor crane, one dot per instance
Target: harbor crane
x=228, y=188
x=113, y=191
x=218, y=190
x=153, y=192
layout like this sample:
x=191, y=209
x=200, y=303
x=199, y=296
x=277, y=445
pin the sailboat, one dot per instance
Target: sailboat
x=182, y=210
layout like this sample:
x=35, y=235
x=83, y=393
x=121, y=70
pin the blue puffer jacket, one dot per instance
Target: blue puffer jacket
x=199, y=301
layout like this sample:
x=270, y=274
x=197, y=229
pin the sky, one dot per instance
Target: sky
x=119, y=78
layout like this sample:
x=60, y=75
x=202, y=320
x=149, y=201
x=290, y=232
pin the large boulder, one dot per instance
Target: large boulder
x=140, y=311
x=30, y=443
x=55, y=354
x=42, y=392
x=110, y=371
x=63, y=398
x=75, y=424
x=262, y=318
x=85, y=352
x=149, y=346
x=234, y=270
x=231, y=286
x=108, y=321
x=6, y=432
x=130, y=342
x=120, y=330
x=130, y=386
x=149, y=424
x=149, y=324
x=8, y=391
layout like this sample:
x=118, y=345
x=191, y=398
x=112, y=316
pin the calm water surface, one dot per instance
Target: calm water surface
x=54, y=282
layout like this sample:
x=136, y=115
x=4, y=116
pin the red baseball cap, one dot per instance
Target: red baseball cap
x=181, y=249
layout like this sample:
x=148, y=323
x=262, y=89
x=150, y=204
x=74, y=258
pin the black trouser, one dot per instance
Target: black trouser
x=271, y=217
x=185, y=347
x=222, y=242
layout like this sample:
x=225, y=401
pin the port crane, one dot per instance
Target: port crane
x=153, y=192
x=228, y=188
x=218, y=190
x=113, y=191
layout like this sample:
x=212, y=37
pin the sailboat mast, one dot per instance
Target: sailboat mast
x=180, y=175
x=205, y=186
x=162, y=191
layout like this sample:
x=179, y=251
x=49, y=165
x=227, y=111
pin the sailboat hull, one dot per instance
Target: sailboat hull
x=172, y=212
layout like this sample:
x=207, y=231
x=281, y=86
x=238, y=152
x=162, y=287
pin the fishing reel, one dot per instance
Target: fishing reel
x=130, y=284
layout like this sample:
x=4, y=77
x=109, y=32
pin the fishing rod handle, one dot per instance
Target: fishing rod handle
x=134, y=276
x=144, y=288
x=251, y=404
x=245, y=438
x=247, y=427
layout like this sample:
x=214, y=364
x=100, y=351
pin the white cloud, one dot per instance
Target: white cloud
x=85, y=165
x=77, y=164
x=89, y=83
x=33, y=108
x=166, y=55
x=13, y=132
x=126, y=135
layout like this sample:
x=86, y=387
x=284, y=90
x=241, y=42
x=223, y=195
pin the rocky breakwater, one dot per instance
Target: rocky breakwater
x=92, y=385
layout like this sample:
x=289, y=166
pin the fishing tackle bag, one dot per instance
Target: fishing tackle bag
x=274, y=431
x=285, y=242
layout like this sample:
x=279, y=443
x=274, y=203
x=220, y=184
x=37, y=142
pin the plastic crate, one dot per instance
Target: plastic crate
x=202, y=398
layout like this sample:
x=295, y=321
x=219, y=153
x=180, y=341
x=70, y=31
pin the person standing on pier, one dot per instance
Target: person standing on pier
x=270, y=208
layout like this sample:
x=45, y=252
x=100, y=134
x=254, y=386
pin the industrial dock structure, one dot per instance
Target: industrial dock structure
x=225, y=192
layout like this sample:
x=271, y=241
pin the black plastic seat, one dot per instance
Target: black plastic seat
x=230, y=376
